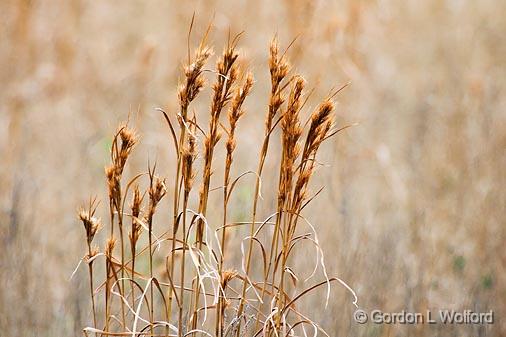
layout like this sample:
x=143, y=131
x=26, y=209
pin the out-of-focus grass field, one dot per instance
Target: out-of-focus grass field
x=413, y=214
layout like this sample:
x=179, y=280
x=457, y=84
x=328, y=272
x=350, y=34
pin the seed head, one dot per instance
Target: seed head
x=91, y=223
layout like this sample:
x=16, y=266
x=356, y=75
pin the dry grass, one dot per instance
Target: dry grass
x=199, y=290
x=413, y=206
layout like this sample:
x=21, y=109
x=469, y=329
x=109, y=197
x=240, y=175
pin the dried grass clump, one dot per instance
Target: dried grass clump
x=195, y=293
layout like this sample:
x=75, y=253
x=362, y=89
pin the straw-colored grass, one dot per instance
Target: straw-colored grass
x=197, y=292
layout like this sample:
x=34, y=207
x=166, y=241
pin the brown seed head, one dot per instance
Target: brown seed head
x=92, y=253
x=91, y=223
x=321, y=123
x=157, y=191
x=279, y=69
x=136, y=202
x=109, y=247
x=189, y=155
x=194, y=81
x=278, y=65
x=113, y=183
x=227, y=276
x=235, y=112
x=121, y=152
x=136, y=231
x=290, y=123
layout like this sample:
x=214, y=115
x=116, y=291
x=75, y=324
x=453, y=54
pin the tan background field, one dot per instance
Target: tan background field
x=413, y=214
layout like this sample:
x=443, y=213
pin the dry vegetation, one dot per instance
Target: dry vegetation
x=200, y=290
x=413, y=206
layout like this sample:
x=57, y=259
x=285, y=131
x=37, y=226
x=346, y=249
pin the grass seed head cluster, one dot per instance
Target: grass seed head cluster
x=200, y=290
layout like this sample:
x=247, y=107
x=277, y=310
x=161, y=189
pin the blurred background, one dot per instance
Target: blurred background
x=413, y=211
